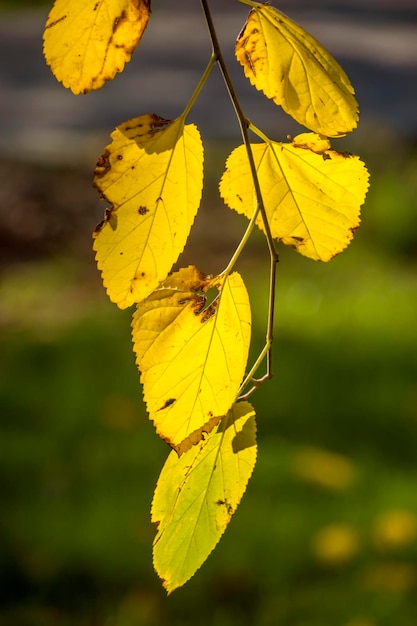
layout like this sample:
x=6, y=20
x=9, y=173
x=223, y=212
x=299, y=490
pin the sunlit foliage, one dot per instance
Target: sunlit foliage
x=191, y=332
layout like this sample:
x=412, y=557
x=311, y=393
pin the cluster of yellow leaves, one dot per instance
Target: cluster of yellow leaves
x=192, y=346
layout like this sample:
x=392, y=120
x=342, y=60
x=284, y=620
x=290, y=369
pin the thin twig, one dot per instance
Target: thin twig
x=274, y=257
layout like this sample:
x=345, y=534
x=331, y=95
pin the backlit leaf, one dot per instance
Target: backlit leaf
x=191, y=353
x=86, y=42
x=198, y=493
x=281, y=59
x=152, y=174
x=312, y=194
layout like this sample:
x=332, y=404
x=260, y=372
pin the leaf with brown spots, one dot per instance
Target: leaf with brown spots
x=152, y=174
x=86, y=42
x=191, y=352
x=312, y=194
x=293, y=69
x=198, y=493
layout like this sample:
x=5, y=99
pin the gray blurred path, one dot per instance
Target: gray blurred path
x=374, y=40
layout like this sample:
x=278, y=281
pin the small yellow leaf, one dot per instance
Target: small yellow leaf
x=281, y=59
x=198, y=493
x=312, y=195
x=152, y=174
x=86, y=42
x=191, y=353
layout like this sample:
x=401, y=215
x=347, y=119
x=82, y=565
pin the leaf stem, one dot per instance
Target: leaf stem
x=201, y=83
x=245, y=124
x=250, y=377
x=242, y=243
x=258, y=132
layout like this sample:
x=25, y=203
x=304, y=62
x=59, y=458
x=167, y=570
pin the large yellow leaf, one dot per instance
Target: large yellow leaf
x=152, y=174
x=86, y=42
x=281, y=59
x=191, y=353
x=312, y=195
x=198, y=493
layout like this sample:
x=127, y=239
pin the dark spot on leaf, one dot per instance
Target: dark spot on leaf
x=249, y=60
x=240, y=35
x=103, y=165
x=196, y=437
x=209, y=312
x=64, y=17
x=126, y=127
x=226, y=504
x=98, y=228
x=326, y=157
x=239, y=197
x=167, y=404
x=120, y=157
x=142, y=210
x=158, y=123
x=117, y=21
x=110, y=217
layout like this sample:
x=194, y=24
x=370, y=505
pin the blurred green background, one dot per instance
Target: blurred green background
x=327, y=531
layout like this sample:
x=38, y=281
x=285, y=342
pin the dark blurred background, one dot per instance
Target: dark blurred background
x=326, y=534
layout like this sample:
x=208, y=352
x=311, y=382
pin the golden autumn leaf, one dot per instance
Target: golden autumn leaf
x=198, y=493
x=312, y=194
x=191, y=352
x=293, y=69
x=152, y=174
x=86, y=42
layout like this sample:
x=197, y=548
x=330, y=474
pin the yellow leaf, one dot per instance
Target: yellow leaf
x=86, y=42
x=191, y=353
x=312, y=195
x=281, y=59
x=198, y=493
x=152, y=174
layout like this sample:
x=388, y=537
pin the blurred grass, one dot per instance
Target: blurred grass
x=327, y=531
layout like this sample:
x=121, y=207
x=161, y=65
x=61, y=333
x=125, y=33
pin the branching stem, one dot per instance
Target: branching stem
x=245, y=124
